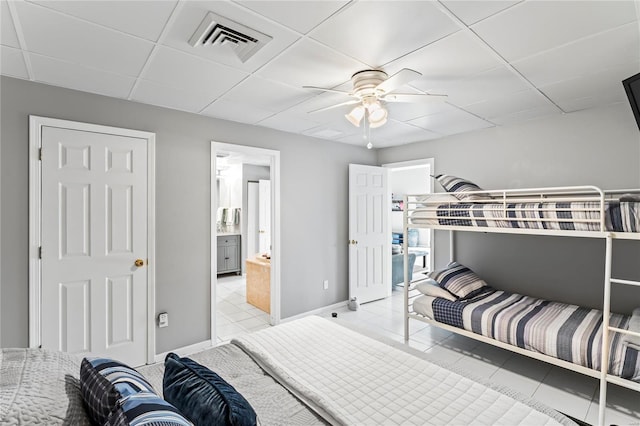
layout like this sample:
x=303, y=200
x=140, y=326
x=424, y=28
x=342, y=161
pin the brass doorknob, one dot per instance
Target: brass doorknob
x=139, y=262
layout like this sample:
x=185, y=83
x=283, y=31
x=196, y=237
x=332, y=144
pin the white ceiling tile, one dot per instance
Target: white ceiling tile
x=59, y=36
x=12, y=63
x=530, y=114
x=588, y=55
x=58, y=73
x=486, y=85
x=290, y=122
x=173, y=68
x=309, y=63
x=473, y=11
x=8, y=35
x=368, y=30
x=446, y=60
x=192, y=14
x=402, y=111
x=307, y=109
x=338, y=127
x=501, y=104
x=301, y=16
x=326, y=131
x=397, y=133
x=267, y=94
x=353, y=140
x=149, y=92
x=591, y=90
x=236, y=111
x=144, y=19
x=451, y=122
x=534, y=26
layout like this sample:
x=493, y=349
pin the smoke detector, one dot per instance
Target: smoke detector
x=224, y=34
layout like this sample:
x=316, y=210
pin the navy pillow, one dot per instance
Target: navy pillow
x=203, y=396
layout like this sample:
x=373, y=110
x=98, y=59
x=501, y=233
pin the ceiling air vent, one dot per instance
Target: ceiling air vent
x=222, y=33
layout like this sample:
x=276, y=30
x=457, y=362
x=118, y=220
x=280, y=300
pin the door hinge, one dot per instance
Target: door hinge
x=40, y=252
x=40, y=154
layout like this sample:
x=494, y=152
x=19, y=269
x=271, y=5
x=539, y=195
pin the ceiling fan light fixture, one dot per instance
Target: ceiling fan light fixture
x=355, y=116
x=377, y=114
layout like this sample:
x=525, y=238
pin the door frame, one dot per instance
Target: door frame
x=410, y=163
x=35, y=220
x=276, y=258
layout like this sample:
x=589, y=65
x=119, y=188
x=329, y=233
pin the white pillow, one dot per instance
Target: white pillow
x=431, y=288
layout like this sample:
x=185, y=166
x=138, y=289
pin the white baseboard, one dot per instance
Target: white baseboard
x=185, y=350
x=315, y=311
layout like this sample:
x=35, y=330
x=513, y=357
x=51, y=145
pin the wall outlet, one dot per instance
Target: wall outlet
x=163, y=320
x=325, y=284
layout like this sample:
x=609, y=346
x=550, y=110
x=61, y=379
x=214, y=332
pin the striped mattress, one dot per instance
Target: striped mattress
x=579, y=216
x=560, y=330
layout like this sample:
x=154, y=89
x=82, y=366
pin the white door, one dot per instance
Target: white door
x=252, y=219
x=94, y=228
x=264, y=215
x=369, y=233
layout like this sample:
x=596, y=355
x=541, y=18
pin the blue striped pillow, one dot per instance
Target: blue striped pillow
x=458, y=187
x=110, y=390
x=458, y=280
x=148, y=409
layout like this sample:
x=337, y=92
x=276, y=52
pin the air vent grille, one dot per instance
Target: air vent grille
x=224, y=34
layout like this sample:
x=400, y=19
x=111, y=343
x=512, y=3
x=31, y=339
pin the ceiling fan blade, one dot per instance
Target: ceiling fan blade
x=324, y=89
x=351, y=102
x=397, y=80
x=414, y=98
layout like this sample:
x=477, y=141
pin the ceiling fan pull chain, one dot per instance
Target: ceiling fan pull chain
x=367, y=130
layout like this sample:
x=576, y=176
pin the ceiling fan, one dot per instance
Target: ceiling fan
x=372, y=89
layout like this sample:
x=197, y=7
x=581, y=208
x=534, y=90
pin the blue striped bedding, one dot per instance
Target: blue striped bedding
x=619, y=216
x=560, y=330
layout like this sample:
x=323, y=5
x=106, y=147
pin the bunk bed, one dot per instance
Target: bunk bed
x=576, y=338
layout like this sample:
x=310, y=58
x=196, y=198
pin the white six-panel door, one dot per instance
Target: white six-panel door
x=369, y=233
x=94, y=229
x=264, y=216
x=252, y=219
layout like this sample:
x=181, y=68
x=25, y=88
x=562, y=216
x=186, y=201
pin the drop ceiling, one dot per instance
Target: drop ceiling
x=499, y=62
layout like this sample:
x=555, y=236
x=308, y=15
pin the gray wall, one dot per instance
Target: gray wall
x=592, y=147
x=314, y=195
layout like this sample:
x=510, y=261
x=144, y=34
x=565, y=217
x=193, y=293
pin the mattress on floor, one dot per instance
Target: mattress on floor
x=353, y=379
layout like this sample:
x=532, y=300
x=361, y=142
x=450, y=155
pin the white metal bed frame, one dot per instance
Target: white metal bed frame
x=430, y=203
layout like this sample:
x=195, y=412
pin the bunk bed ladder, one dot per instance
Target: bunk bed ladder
x=606, y=328
x=405, y=264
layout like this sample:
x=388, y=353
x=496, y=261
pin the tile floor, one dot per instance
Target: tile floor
x=234, y=316
x=564, y=390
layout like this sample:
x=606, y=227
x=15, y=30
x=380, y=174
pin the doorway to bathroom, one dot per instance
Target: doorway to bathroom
x=245, y=278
